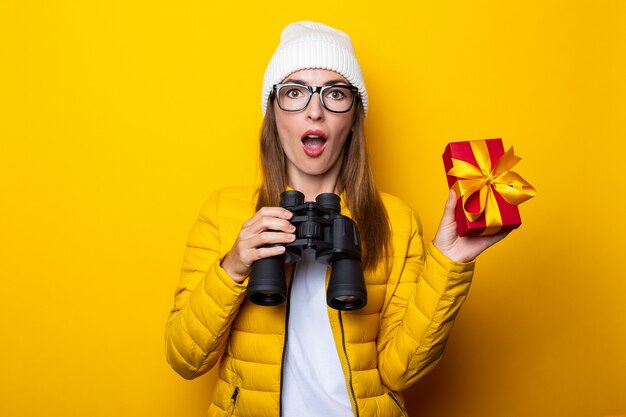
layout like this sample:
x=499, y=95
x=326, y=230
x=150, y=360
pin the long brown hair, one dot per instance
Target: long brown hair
x=355, y=178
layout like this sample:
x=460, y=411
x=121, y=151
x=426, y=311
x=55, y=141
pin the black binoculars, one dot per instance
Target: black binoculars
x=335, y=240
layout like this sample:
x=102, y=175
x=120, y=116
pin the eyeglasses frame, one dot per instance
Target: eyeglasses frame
x=315, y=89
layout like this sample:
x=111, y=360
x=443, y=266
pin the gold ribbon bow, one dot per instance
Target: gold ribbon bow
x=486, y=181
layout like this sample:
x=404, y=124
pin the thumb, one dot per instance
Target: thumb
x=447, y=234
x=448, y=216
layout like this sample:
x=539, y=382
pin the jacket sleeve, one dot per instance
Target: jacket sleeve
x=420, y=315
x=206, y=300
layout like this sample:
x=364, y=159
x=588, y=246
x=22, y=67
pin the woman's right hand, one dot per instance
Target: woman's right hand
x=269, y=225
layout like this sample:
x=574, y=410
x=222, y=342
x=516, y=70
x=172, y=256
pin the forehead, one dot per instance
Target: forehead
x=315, y=76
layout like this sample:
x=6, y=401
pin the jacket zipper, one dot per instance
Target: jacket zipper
x=345, y=352
x=282, y=362
x=233, y=400
x=397, y=401
x=234, y=396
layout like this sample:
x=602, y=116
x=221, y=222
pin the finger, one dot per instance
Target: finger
x=262, y=253
x=260, y=224
x=272, y=224
x=270, y=238
x=254, y=254
x=447, y=225
x=277, y=212
x=448, y=216
x=247, y=253
x=474, y=246
x=447, y=233
x=493, y=239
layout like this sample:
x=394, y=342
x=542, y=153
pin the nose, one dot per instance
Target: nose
x=315, y=110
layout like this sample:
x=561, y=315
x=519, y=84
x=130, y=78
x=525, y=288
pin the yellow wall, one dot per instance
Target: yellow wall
x=118, y=118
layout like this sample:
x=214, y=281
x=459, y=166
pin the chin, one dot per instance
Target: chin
x=315, y=172
x=313, y=168
x=312, y=171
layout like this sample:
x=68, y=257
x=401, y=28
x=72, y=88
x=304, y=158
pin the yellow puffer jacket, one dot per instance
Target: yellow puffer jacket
x=384, y=348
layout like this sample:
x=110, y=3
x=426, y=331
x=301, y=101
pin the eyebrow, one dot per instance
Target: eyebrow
x=330, y=82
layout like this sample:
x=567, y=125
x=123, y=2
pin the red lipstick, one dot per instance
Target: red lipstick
x=314, y=142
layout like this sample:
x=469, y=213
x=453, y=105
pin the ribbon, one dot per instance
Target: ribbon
x=486, y=181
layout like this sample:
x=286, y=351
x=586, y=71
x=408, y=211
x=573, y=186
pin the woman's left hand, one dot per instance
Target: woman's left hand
x=460, y=249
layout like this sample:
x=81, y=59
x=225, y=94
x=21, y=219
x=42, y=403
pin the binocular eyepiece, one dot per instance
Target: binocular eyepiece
x=335, y=240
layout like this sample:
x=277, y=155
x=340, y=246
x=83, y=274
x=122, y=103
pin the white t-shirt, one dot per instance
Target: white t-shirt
x=313, y=382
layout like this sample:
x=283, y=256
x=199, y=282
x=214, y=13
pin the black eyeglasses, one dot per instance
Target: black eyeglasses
x=335, y=98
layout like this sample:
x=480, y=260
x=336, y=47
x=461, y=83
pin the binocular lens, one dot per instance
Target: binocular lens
x=266, y=298
x=346, y=298
x=346, y=303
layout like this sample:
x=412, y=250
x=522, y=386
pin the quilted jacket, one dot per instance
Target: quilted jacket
x=384, y=348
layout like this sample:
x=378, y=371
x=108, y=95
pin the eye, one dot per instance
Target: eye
x=337, y=93
x=293, y=92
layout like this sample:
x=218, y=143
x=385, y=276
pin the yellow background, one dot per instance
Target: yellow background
x=118, y=118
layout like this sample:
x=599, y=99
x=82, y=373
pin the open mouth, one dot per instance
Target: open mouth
x=313, y=143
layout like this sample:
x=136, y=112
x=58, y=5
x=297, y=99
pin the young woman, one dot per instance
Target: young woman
x=302, y=358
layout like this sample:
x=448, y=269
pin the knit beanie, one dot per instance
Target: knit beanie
x=311, y=45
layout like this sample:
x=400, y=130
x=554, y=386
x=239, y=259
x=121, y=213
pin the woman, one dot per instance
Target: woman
x=302, y=358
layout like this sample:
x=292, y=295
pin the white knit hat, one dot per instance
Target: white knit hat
x=311, y=45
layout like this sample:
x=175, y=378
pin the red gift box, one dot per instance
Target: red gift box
x=488, y=191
